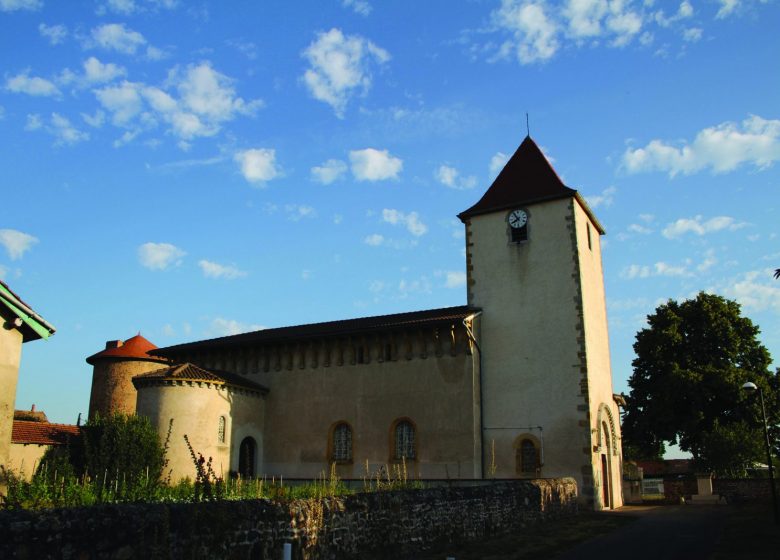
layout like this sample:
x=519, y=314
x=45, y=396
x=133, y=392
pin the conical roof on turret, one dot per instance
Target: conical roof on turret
x=135, y=348
x=527, y=178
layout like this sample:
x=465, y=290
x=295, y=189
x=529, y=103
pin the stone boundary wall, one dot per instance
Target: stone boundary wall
x=744, y=489
x=370, y=525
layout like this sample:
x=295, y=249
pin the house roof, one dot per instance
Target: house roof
x=191, y=372
x=31, y=325
x=135, y=348
x=666, y=467
x=42, y=433
x=527, y=178
x=429, y=317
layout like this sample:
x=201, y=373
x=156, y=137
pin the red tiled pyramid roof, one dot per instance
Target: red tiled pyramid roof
x=136, y=347
x=43, y=433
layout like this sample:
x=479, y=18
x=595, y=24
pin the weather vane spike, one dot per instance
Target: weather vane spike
x=527, y=126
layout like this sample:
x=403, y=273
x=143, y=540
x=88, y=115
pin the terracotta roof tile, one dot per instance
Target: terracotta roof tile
x=331, y=328
x=136, y=347
x=43, y=433
x=191, y=372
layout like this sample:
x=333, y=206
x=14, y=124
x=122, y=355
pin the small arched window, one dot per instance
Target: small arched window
x=527, y=457
x=341, y=443
x=221, y=430
x=404, y=441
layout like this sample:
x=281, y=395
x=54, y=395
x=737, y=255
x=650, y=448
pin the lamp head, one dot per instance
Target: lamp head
x=749, y=386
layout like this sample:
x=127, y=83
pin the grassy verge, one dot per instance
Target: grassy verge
x=545, y=540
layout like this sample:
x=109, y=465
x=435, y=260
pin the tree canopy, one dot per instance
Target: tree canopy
x=686, y=388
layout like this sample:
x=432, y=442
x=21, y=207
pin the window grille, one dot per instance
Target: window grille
x=404, y=440
x=529, y=457
x=342, y=443
x=221, y=430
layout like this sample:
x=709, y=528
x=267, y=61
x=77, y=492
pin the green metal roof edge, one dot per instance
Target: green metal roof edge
x=29, y=320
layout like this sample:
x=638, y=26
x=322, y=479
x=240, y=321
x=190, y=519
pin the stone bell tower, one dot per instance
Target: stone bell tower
x=534, y=269
x=113, y=371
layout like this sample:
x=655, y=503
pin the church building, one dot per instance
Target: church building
x=516, y=383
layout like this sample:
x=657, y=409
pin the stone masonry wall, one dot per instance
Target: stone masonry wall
x=375, y=525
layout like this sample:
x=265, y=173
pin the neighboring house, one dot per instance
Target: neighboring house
x=515, y=383
x=19, y=324
x=32, y=436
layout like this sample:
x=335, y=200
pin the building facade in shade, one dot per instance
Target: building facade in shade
x=515, y=383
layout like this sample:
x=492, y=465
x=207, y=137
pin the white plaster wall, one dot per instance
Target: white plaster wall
x=598, y=358
x=195, y=409
x=529, y=337
x=25, y=458
x=10, y=356
x=436, y=393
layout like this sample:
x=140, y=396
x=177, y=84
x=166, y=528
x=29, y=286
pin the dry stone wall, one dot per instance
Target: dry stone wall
x=372, y=525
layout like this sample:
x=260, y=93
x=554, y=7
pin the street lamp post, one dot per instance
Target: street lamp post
x=750, y=386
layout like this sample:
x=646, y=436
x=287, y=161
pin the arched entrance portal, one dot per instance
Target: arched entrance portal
x=246, y=458
x=606, y=471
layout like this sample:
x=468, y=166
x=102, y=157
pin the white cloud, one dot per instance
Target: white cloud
x=340, y=67
x=96, y=121
x=375, y=240
x=258, y=165
x=635, y=271
x=96, y=72
x=115, y=36
x=451, y=177
x=497, y=163
x=13, y=5
x=159, y=256
x=23, y=83
x=534, y=32
x=228, y=327
x=56, y=34
x=454, y=279
x=411, y=221
x=215, y=270
x=418, y=286
x=727, y=7
x=604, y=199
x=692, y=34
x=200, y=99
x=756, y=291
x=539, y=30
x=666, y=269
x=34, y=122
x=721, y=148
x=358, y=6
x=297, y=212
x=374, y=165
x=329, y=171
x=16, y=243
x=130, y=7
x=699, y=227
x=639, y=228
x=64, y=132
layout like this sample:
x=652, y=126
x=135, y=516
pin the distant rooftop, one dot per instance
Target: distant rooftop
x=42, y=433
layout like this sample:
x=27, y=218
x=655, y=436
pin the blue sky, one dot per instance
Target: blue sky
x=190, y=170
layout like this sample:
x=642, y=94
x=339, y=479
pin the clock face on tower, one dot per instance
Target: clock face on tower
x=517, y=219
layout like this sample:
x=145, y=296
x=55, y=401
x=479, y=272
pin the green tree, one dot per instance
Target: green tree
x=691, y=362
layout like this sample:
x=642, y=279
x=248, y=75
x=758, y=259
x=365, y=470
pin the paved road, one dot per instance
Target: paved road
x=661, y=533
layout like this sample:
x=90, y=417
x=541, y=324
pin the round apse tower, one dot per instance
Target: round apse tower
x=113, y=371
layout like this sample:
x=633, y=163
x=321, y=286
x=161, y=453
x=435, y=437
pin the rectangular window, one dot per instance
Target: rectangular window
x=590, y=245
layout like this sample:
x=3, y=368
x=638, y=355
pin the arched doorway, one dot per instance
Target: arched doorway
x=246, y=457
x=606, y=471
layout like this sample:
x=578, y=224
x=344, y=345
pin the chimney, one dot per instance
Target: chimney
x=32, y=408
x=113, y=344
